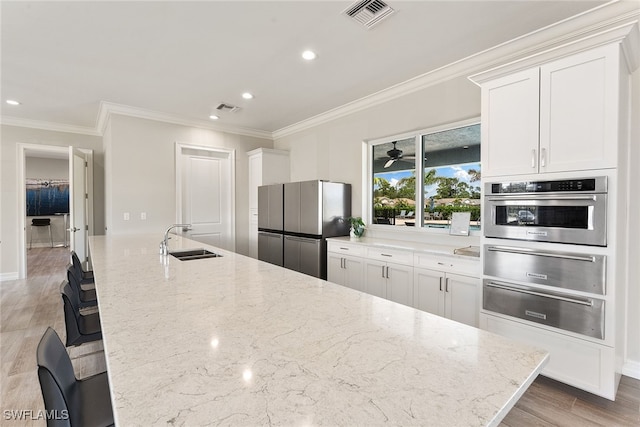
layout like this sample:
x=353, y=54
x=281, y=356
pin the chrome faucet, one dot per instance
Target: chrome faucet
x=164, y=245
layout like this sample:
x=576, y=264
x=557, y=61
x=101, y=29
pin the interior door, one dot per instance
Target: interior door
x=78, y=204
x=206, y=194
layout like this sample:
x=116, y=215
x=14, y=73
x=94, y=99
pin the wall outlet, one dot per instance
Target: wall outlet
x=143, y=216
x=126, y=216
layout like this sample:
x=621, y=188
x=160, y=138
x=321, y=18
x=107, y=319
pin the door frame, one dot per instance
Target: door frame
x=21, y=183
x=180, y=146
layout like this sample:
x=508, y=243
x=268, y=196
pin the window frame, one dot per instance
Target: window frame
x=419, y=190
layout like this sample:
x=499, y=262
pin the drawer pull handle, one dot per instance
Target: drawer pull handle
x=588, y=303
x=540, y=253
x=387, y=255
x=344, y=249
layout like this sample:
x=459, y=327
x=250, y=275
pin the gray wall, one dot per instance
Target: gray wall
x=633, y=299
x=140, y=170
x=333, y=151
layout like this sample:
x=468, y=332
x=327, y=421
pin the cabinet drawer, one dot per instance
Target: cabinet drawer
x=390, y=255
x=468, y=267
x=345, y=248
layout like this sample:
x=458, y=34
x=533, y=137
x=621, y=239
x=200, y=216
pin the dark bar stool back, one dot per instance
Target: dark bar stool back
x=72, y=402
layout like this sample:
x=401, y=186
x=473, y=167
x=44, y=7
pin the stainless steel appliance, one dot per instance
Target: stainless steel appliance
x=311, y=211
x=566, y=270
x=515, y=291
x=271, y=223
x=569, y=312
x=563, y=211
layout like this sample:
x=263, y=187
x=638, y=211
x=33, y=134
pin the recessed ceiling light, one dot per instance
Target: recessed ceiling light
x=247, y=95
x=214, y=117
x=309, y=55
x=12, y=102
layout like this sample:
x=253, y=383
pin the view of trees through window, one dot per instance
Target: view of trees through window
x=451, y=178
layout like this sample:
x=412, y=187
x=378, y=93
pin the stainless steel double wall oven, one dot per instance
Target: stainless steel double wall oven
x=566, y=212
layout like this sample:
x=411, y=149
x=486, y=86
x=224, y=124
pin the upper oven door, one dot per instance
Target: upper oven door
x=562, y=218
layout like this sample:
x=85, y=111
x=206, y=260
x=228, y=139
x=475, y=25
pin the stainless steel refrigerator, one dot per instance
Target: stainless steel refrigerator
x=294, y=220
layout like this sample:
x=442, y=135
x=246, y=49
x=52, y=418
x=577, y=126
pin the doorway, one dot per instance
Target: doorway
x=45, y=166
x=205, y=191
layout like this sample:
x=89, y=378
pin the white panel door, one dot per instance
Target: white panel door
x=206, y=189
x=78, y=197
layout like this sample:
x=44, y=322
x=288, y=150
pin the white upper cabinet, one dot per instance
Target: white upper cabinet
x=559, y=116
x=579, y=111
x=510, y=126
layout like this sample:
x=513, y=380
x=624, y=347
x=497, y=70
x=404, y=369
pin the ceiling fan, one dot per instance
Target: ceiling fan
x=395, y=154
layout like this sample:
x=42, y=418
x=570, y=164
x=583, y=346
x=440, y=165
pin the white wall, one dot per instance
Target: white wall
x=140, y=171
x=10, y=137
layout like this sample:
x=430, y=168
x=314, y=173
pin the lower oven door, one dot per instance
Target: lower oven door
x=576, y=314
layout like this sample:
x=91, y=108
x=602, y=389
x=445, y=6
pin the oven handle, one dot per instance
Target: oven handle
x=542, y=197
x=588, y=303
x=540, y=253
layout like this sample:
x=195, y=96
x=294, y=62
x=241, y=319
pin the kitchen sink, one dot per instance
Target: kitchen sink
x=191, y=254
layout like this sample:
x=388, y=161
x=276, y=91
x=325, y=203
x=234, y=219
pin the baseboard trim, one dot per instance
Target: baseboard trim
x=8, y=276
x=631, y=368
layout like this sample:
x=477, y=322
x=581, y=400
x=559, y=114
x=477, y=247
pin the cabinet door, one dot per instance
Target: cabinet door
x=335, y=270
x=428, y=291
x=354, y=272
x=510, y=119
x=375, y=278
x=579, y=110
x=462, y=299
x=400, y=284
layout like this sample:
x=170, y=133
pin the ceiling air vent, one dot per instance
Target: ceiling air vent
x=368, y=12
x=227, y=107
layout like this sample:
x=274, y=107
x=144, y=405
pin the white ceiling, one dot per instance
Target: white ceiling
x=60, y=59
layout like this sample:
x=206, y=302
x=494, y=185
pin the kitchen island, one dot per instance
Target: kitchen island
x=236, y=341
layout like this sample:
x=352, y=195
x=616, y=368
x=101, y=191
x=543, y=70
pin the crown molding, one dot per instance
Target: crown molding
x=51, y=126
x=613, y=21
x=107, y=109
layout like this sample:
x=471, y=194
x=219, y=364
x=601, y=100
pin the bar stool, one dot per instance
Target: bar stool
x=41, y=222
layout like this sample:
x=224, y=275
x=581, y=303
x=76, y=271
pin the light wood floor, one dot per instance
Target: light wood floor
x=27, y=307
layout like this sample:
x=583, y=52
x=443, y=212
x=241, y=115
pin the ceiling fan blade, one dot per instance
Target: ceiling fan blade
x=389, y=163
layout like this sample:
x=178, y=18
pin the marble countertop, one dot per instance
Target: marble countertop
x=438, y=249
x=236, y=341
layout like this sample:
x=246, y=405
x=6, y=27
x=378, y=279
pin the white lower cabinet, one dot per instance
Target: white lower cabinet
x=450, y=295
x=429, y=282
x=389, y=280
x=345, y=270
x=580, y=363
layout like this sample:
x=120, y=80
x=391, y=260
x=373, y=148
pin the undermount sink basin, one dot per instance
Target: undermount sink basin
x=191, y=254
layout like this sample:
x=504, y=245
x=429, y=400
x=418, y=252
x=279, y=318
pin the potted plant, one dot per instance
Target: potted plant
x=357, y=226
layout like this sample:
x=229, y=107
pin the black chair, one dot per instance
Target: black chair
x=41, y=222
x=84, y=276
x=72, y=402
x=81, y=328
x=86, y=296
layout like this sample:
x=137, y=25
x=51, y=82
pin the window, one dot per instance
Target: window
x=450, y=177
